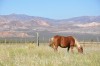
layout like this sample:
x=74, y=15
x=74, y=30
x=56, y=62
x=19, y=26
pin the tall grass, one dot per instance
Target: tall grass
x=32, y=55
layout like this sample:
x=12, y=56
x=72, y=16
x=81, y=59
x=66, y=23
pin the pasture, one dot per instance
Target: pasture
x=32, y=55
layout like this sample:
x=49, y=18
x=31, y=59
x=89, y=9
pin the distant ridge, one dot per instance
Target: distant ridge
x=26, y=24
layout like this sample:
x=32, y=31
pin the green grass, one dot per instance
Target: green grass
x=32, y=55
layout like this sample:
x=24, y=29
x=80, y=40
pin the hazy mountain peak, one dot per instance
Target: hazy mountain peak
x=25, y=23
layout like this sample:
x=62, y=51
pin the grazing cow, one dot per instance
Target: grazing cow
x=65, y=42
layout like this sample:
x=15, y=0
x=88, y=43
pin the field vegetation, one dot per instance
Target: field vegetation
x=31, y=55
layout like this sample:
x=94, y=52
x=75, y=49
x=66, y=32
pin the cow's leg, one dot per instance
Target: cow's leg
x=56, y=48
x=72, y=49
x=72, y=46
x=68, y=48
x=56, y=44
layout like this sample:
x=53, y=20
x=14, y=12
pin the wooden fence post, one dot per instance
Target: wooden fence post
x=37, y=38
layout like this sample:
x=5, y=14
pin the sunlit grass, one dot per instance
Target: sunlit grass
x=32, y=55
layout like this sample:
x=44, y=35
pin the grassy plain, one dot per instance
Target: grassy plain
x=32, y=55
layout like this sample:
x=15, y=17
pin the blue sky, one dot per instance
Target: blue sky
x=56, y=9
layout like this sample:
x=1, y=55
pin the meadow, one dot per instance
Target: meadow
x=31, y=55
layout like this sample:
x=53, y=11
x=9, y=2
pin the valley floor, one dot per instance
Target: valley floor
x=32, y=55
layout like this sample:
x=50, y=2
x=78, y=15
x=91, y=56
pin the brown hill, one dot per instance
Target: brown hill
x=13, y=34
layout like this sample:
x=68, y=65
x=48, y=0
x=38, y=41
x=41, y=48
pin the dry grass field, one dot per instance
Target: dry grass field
x=32, y=55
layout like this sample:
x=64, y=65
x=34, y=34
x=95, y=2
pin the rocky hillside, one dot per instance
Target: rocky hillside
x=23, y=25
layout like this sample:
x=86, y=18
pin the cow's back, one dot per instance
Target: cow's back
x=67, y=41
x=71, y=40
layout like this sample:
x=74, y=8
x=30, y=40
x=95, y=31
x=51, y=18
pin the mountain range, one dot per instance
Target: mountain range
x=20, y=25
